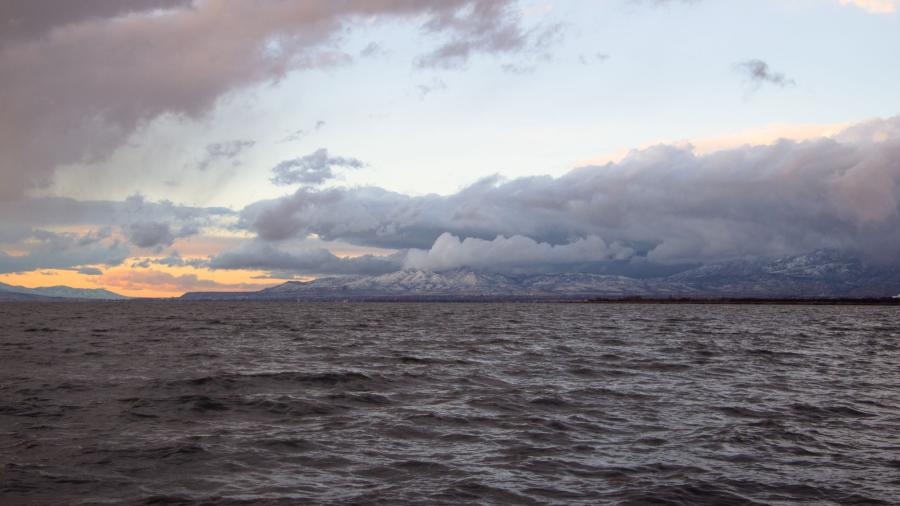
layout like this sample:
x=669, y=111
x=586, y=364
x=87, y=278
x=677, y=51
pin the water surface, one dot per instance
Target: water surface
x=155, y=402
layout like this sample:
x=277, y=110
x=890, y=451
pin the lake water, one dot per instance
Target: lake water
x=286, y=403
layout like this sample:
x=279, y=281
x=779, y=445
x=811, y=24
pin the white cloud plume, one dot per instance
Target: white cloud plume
x=516, y=252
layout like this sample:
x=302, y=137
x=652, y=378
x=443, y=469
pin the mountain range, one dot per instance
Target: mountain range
x=821, y=274
x=13, y=292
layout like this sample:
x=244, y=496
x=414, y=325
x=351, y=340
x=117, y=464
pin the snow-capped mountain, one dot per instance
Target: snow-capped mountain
x=818, y=274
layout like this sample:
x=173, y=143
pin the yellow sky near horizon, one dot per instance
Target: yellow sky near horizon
x=158, y=281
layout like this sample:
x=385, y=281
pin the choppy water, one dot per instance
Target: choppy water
x=448, y=403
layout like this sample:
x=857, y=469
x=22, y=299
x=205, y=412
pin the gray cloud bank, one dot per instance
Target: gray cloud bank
x=49, y=250
x=24, y=225
x=268, y=257
x=79, y=77
x=659, y=207
x=662, y=205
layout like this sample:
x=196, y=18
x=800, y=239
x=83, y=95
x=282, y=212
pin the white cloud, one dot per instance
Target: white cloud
x=449, y=252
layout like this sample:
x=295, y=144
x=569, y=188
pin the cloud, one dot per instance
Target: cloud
x=67, y=212
x=312, y=169
x=78, y=79
x=224, y=151
x=29, y=19
x=301, y=133
x=158, y=281
x=149, y=234
x=666, y=203
x=491, y=27
x=317, y=261
x=50, y=250
x=90, y=271
x=12, y=233
x=173, y=260
x=143, y=223
x=516, y=252
x=758, y=72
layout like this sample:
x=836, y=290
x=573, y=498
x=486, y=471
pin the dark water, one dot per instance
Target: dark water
x=448, y=403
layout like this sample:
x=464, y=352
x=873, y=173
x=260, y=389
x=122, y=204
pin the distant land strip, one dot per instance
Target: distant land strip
x=847, y=301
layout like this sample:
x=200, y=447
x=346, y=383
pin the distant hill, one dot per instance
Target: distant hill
x=821, y=274
x=7, y=296
x=12, y=292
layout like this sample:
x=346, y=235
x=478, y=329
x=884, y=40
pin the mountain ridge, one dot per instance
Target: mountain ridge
x=820, y=274
x=59, y=292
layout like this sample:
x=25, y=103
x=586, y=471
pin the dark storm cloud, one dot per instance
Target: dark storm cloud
x=758, y=72
x=318, y=261
x=312, y=169
x=665, y=203
x=76, y=92
x=224, y=152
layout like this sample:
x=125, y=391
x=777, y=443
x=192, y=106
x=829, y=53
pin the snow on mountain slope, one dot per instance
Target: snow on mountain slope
x=819, y=274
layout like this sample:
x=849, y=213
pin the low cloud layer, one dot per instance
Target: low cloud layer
x=26, y=229
x=158, y=281
x=316, y=261
x=49, y=250
x=665, y=203
x=517, y=252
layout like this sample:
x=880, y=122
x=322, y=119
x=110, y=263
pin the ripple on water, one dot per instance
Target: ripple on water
x=161, y=403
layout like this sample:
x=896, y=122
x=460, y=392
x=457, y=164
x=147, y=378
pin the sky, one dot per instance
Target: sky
x=154, y=147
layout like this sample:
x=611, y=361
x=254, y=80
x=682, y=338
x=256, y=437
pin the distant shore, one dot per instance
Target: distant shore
x=868, y=301
x=787, y=301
